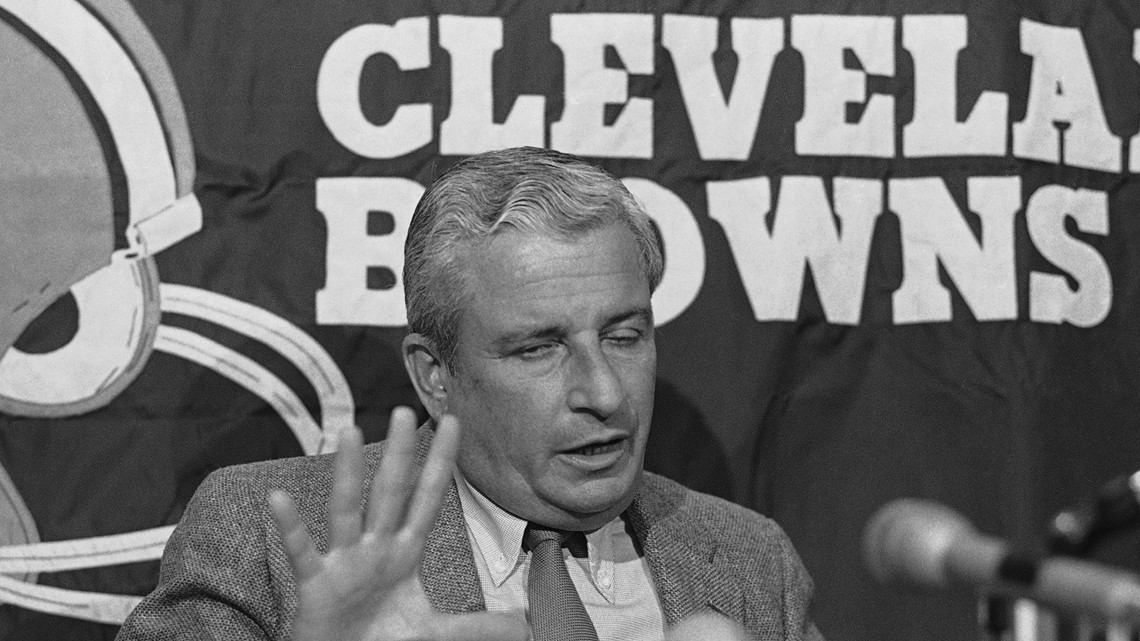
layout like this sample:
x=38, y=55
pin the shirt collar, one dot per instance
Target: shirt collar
x=498, y=537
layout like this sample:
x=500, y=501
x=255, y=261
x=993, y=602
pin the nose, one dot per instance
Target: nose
x=595, y=386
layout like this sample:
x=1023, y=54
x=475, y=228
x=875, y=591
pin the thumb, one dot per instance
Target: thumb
x=484, y=626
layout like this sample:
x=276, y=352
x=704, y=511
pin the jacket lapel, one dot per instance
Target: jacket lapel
x=682, y=555
x=448, y=572
x=681, y=552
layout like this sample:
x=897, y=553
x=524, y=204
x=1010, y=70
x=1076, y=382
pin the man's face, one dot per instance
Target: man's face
x=554, y=375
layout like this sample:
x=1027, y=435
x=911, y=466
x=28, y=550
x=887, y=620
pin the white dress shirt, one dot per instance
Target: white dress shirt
x=614, y=582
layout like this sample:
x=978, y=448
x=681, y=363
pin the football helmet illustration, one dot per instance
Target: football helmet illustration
x=96, y=178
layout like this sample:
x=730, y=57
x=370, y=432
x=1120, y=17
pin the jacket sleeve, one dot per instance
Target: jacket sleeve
x=217, y=580
x=798, y=589
x=778, y=587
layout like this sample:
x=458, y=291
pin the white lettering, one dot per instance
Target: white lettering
x=338, y=89
x=684, y=249
x=590, y=85
x=829, y=87
x=934, y=43
x=1062, y=89
x=933, y=232
x=1050, y=298
x=469, y=127
x=346, y=204
x=803, y=233
x=1134, y=148
x=724, y=129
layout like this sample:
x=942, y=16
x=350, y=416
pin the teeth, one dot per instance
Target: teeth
x=591, y=450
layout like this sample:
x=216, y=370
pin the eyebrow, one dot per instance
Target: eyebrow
x=643, y=314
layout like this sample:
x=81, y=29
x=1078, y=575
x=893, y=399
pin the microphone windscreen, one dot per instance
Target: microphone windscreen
x=908, y=540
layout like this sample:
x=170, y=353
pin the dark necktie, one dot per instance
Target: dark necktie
x=556, y=610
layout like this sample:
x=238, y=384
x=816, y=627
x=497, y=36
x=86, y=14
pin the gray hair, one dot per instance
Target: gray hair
x=526, y=189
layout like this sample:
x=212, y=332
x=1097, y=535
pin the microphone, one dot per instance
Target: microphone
x=928, y=544
x=1116, y=506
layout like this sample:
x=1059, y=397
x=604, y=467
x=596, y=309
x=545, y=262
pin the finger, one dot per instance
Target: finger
x=482, y=626
x=435, y=479
x=344, y=498
x=706, y=625
x=295, y=537
x=393, y=479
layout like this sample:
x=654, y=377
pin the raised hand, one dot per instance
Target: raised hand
x=367, y=586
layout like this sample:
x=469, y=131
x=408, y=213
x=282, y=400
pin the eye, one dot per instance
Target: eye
x=623, y=336
x=536, y=351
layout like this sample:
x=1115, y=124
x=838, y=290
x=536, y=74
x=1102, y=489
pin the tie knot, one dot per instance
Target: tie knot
x=535, y=536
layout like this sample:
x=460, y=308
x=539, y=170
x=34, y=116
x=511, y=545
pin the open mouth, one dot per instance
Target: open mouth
x=595, y=449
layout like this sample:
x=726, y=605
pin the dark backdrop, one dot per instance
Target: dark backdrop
x=863, y=301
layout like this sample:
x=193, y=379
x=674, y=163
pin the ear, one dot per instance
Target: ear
x=428, y=373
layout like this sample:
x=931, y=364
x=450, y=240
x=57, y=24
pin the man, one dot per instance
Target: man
x=528, y=276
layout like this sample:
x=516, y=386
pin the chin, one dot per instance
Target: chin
x=601, y=499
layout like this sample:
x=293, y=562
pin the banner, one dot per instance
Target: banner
x=900, y=245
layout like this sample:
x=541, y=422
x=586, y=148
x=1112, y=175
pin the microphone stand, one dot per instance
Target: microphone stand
x=995, y=617
x=1075, y=532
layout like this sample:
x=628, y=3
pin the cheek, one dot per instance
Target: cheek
x=516, y=396
x=639, y=377
x=507, y=415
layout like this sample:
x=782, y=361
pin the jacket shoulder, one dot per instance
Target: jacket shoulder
x=726, y=521
x=746, y=563
x=224, y=573
x=239, y=485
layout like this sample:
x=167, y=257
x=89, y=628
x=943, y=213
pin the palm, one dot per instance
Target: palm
x=365, y=591
x=367, y=585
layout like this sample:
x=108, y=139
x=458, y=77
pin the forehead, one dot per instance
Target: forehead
x=519, y=277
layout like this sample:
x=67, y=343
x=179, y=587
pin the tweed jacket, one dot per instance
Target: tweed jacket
x=225, y=574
